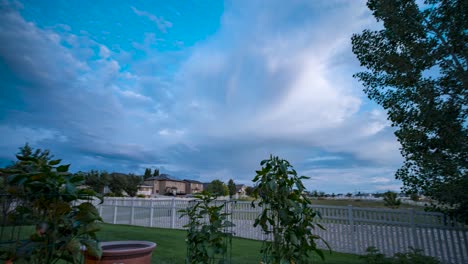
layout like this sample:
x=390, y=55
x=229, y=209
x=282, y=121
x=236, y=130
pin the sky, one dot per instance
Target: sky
x=201, y=89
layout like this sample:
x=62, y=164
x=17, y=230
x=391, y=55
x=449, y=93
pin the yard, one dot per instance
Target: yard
x=171, y=245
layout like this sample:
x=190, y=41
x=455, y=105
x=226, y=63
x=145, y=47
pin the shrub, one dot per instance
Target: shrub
x=413, y=256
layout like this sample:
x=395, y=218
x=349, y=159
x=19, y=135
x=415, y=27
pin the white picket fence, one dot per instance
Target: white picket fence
x=348, y=229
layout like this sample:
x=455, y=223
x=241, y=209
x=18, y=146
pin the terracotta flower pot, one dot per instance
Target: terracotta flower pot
x=123, y=252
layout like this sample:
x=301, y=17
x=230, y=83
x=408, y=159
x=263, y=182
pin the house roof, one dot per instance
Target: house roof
x=162, y=177
x=192, y=181
x=239, y=187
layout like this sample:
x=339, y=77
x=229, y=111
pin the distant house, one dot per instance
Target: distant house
x=145, y=189
x=166, y=185
x=192, y=186
x=240, y=190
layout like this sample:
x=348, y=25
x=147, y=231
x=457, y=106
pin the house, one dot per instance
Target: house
x=192, y=186
x=165, y=185
x=145, y=189
x=240, y=190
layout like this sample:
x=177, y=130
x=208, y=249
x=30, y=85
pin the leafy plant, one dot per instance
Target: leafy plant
x=50, y=198
x=413, y=256
x=374, y=256
x=286, y=216
x=207, y=237
x=391, y=200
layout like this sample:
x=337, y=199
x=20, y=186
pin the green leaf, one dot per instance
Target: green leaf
x=63, y=168
x=54, y=162
x=92, y=247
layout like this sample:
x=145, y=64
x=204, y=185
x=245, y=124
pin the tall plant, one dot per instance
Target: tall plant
x=208, y=236
x=287, y=217
x=50, y=198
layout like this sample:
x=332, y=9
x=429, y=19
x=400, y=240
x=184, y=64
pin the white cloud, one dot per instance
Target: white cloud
x=161, y=23
x=104, y=52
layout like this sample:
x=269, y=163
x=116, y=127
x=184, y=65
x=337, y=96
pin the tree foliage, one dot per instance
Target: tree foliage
x=231, y=187
x=96, y=180
x=156, y=173
x=217, y=188
x=147, y=173
x=286, y=214
x=391, y=199
x=417, y=70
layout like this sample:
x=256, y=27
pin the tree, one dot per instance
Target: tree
x=96, y=180
x=218, y=188
x=417, y=70
x=232, y=188
x=147, y=173
x=156, y=173
x=249, y=190
x=131, y=186
x=117, y=183
x=391, y=200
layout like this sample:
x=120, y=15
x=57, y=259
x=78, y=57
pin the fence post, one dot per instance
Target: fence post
x=151, y=213
x=132, y=214
x=115, y=215
x=173, y=213
x=352, y=236
x=413, y=227
x=100, y=210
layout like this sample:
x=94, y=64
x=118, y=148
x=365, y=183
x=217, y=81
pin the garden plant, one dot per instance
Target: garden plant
x=286, y=218
x=53, y=220
x=208, y=231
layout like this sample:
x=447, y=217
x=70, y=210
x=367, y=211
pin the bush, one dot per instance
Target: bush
x=413, y=256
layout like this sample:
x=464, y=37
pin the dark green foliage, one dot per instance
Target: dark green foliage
x=374, y=256
x=414, y=197
x=249, y=190
x=120, y=183
x=96, y=180
x=417, y=69
x=131, y=184
x=413, y=256
x=208, y=239
x=391, y=199
x=286, y=215
x=156, y=172
x=231, y=187
x=45, y=193
x=147, y=173
x=217, y=188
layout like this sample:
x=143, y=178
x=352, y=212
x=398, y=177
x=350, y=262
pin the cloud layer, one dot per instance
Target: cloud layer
x=273, y=78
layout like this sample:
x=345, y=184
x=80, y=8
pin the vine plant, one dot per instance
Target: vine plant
x=286, y=218
x=208, y=237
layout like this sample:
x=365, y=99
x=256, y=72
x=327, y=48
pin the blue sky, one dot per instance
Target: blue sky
x=201, y=89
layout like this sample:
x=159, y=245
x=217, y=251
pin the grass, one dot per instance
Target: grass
x=171, y=245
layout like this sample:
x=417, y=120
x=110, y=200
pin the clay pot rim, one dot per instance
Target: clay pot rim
x=148, y=246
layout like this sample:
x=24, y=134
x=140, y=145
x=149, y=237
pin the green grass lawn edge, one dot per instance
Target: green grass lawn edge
x=171, y=248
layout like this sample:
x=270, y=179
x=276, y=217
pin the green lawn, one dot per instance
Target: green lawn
x=171, y=245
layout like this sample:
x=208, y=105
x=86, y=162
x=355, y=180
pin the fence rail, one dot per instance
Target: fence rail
x=348, y=229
